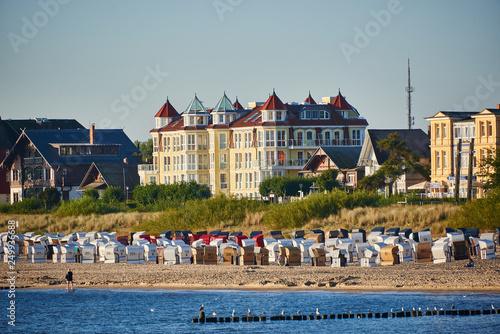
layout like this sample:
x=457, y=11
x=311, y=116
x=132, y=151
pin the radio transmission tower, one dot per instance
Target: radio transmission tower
x=409, y=90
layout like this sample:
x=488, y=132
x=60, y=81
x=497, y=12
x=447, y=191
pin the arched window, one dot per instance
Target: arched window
x=38, y=173
x=337, y=137
x=300, y=138
x=309, y=138
x=28, y=173
x=328, y=138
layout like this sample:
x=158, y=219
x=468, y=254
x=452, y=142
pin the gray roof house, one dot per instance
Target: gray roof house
x=371, y=157
x=61, y=158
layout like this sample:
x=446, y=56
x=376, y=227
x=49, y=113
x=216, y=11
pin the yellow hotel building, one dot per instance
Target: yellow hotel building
x=232, y=149
x=446, y=129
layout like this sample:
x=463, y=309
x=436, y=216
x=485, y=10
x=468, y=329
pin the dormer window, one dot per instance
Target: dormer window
x=279, y=115
x=315, y=114
x=270, y=115
x=221, y=119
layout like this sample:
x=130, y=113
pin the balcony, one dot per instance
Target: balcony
x=300, y=143
x=279, y=163
x=33, y=161
x=146, y=168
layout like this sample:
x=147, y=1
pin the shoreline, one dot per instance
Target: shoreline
x=254, y=288
x=450, y=277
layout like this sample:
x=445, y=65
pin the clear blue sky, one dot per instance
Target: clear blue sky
x=80, y=59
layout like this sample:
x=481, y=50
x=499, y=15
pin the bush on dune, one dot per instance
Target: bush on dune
x=482, y=213
x=86, y=206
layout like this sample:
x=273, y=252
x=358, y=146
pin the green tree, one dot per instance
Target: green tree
x=112, y=195
x=328, y=180
x=489, y=168
x=91, y=193
x=177, y=193
x=285, y=185
x=401, y=160
x=146, y=148
x=50, y=197
x=372, y=182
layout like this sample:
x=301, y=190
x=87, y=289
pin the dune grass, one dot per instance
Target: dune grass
x=434, y=217
x=321, y=211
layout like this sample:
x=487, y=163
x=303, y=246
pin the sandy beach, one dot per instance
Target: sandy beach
x=408, y=276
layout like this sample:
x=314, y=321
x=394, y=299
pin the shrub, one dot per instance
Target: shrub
x=91, y=193
x=482, y=213
x=28, y=205
x=86, y=206
x=50, y=197
x=328, y=180
x=317, y=206
x=159, y=197
x=112, y=195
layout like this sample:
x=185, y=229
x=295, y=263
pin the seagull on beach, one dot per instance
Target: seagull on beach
x=202, y=307
x=317, y=311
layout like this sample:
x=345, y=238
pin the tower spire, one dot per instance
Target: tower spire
x=409, y=90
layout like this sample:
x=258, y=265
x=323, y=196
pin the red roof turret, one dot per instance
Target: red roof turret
x=310, y=100
x=339, y=103
x=273, y=103
x=237, y=105
x=167, y=110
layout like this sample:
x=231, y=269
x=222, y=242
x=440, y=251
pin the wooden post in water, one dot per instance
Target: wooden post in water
x=469, y=176
x=458, y=157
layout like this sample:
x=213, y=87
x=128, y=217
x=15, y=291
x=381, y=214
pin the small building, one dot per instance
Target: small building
x=11, y=129
x=102, y=175
x=344, y=159
x=60, y=158
x=371, y=157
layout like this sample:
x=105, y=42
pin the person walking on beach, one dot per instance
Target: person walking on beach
x=69, y=281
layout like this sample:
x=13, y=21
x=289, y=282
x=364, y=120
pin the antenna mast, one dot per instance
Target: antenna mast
x=409, y=90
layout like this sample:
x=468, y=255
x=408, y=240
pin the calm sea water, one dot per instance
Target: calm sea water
x=165, y=311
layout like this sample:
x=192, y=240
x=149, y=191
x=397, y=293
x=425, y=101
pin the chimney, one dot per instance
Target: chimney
x=92, y=133
x=429, y=131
